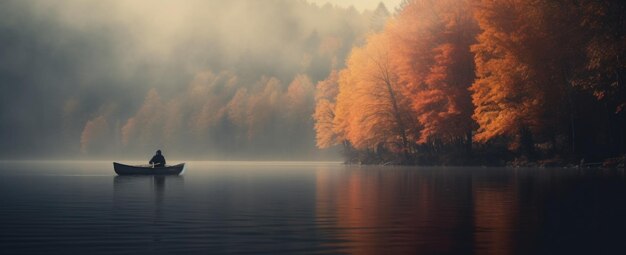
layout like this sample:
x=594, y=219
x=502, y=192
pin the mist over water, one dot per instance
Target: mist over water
x=204, y=79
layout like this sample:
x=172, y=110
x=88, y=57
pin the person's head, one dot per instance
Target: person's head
x=158, y=152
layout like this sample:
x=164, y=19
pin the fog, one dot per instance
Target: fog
x=197, y=79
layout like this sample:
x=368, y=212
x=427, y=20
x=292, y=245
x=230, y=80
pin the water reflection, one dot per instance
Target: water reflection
x=495, y=209
x=484, y=211
x=130, y=201
x=137, y=188
x=426, y=211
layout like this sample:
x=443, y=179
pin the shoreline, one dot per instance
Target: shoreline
x=607, y=163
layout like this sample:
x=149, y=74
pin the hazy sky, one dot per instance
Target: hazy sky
x=361, y=4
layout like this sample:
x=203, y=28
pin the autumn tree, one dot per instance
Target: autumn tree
x=263, y=111
x=325, y=101
x=519, y=79
x=95, y=136
x=432, y=58
x=300, y=103
x=145, y=128
x=606, y=49
x=370, y=111
x=529, y=59
x=604, y=67
x=379, y=17
x=300, y=99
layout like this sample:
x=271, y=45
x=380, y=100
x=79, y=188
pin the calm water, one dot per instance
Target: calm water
x=220, y=207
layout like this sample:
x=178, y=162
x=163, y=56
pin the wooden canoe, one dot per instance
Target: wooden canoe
x=121, y=169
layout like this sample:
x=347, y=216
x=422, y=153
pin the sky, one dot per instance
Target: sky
x=361, y=4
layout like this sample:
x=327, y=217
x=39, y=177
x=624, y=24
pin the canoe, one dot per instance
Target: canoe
x=122, y=169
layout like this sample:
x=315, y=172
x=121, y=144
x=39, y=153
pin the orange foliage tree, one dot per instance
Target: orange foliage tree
x=300, y=104
x=262, y=113
x=95, y=135
x=528, y=57
x=146, y=126
x=432, y=58
x=370, y=111
x=605, y=53
x=517, y=83
x=325, y=96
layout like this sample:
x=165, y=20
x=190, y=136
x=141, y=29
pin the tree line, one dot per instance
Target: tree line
x=482, y=82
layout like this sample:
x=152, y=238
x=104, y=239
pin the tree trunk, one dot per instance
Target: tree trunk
x=469, y=142
x=400, y=127
x=527, y=145
x=571, y=109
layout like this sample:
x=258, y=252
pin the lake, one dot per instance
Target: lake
x=64, y=207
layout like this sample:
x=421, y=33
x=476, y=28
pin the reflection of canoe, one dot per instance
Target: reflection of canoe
x=122, y=169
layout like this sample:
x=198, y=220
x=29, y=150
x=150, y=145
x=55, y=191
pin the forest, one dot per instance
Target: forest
x=483, y=82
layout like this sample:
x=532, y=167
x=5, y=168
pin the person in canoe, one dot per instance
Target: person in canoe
x=158, y=160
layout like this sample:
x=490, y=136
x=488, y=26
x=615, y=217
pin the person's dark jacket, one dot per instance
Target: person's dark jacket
x=158, y=160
